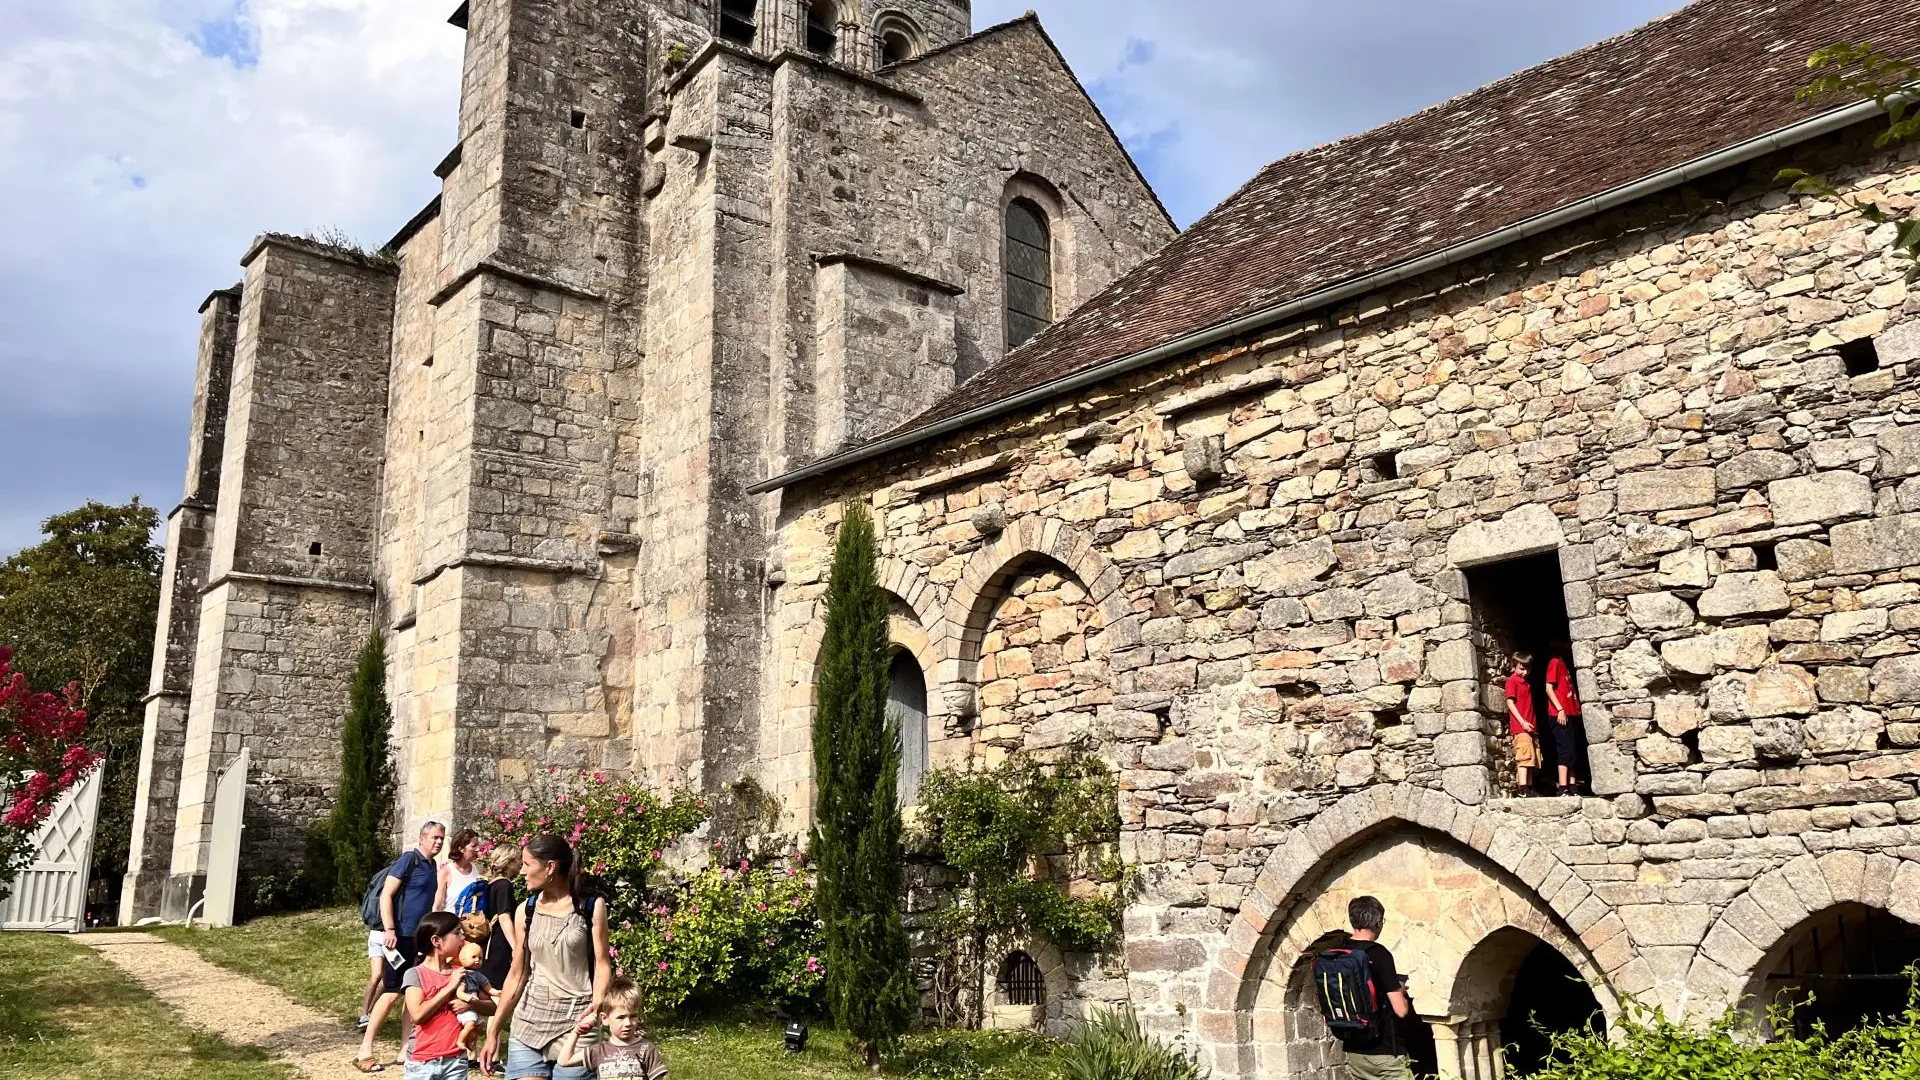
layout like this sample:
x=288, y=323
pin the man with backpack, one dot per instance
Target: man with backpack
x=405, y=896
x=1363, y=997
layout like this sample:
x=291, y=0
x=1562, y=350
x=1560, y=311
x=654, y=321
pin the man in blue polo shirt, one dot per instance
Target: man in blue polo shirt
x=405, y=899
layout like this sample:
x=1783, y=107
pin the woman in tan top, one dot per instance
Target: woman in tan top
x=561, y=966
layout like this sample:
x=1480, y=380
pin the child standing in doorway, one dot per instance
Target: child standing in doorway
x=1566, y=714
x=1521, y=725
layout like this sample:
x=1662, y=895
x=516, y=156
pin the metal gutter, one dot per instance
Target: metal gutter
x=1813, y=127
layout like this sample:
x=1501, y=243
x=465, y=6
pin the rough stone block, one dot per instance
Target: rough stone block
x=1693, y=656
x=1525, y=530
x=1659, y=611
x=1778, y=739
x=1289, y=567
x=1900, y=450
x=1781, y=690
x=1637, y=665
x=1460, y=748
x=1862, y=547
x=1666, y=489
x=1451, y=661
x=1666, y=924
x=1896, y=680
x=1803, y=560
x=1828, y=496
x=1753, y=468
x=1757, y=592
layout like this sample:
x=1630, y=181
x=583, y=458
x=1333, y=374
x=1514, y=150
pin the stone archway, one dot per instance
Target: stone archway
x=1455, y=923
x=1232, y=1026
x=1757, y=925
x=1509, y=987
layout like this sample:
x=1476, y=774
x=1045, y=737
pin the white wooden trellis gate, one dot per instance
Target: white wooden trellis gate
x=223, y=855
x=51, y=893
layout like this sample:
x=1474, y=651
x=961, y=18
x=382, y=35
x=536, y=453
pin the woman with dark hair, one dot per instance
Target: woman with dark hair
x=561, y=965
x=458, y=872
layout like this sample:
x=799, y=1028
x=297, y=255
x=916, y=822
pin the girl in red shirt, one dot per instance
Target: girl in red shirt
x=434, y=1001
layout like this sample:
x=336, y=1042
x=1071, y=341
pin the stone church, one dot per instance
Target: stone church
x=1264, y=508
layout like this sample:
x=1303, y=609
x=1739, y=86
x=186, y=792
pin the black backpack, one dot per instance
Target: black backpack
x=1343, y=983
x=370, y=900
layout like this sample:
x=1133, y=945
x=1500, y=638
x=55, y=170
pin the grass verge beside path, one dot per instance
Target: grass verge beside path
x=67, y=1014
x=319, y=959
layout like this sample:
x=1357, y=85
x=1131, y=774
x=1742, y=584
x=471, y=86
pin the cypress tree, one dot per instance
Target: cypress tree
x=357, y=831
x=856, y=832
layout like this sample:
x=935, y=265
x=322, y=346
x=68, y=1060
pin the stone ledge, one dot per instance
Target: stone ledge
x=286, y=580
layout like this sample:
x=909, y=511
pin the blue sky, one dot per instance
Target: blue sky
x=143, y=143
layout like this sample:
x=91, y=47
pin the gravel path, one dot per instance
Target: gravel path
x=236, y=1008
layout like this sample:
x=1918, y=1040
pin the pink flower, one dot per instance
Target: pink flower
x=663, y=965
x=744, y=864
x=656, y=853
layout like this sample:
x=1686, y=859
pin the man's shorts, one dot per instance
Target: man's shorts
x=1379, y=1066
x=376, y=944
x=1526, y=750
x=393, y=973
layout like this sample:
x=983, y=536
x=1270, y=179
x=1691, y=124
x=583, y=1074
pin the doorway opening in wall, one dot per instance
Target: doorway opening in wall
x=823, y=27
x=1519, y=606
x=1549, y=998
x=1844, y=967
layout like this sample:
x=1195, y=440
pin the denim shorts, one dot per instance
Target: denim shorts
x=446, y=1068
x=525, y=1061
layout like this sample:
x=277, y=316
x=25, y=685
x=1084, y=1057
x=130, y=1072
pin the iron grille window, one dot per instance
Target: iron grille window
x=1029, y=259
x=823, y=22
x=736, y=21
x=1020, y=981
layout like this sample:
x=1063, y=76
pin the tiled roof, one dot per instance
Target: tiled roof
x=1712, y=75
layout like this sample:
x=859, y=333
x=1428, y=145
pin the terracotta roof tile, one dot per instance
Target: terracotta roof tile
x=1708, y=76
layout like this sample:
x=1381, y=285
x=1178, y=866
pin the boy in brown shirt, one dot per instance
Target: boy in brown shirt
x=626, y=1054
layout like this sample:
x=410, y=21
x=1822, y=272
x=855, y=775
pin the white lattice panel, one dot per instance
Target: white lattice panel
x=51, y=893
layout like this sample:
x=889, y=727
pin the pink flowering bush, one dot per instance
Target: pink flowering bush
x=739, y=931
x=619, y=828
x=41, y=756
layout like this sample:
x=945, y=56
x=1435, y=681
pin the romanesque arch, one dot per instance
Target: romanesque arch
x=1763, y=923
x=1028, y=619
x=1568, y=914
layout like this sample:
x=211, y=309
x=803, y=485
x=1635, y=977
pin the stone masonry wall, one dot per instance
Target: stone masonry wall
x=1278, y=536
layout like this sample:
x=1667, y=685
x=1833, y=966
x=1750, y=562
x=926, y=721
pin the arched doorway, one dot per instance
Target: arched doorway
x=1461, y=929
x=1842, y=967
x=907, y=703
x=1512, y=994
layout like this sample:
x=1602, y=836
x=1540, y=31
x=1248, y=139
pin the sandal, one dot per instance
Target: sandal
x=368, y=1065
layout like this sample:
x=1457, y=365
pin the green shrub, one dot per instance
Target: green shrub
x=951, y=1054
x=1112, y=1045
x=732, y=934
x=1645, y=1045
x=357, y=830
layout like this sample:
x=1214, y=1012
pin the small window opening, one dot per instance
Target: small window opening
x=1020, y=982
x=907, y=704
x=1860, y=356
x=737, y=21
x=823, y=27
x=1765, y=558
x=578, y=118
x=1029, y=270
x=1384, y=466
x=1519, y=606
x=895, y=46
x=428, y=362
x=313, y=548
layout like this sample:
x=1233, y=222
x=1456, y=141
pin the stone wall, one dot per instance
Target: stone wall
x=1280, y=537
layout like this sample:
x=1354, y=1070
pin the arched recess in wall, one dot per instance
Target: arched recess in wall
x=1037, y=278
x=1463, y=931
x=1241, y=967
x=1862, y=910
x=896, y=38
x=738, y=21
x=820, y=32
x=1029, y=615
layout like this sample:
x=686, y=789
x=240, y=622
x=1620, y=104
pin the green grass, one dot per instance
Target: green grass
x=318, y=958
x=68, y=1014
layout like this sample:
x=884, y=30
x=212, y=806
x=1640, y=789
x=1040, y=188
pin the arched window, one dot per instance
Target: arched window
x=895, y=38
x=737, y=21
x=823, y=27
x=1020, y=981
x=1029, y=269
x=907, y=703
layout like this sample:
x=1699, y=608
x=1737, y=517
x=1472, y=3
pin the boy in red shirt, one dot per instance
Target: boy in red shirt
x=1521, y=725
x=1566, y=709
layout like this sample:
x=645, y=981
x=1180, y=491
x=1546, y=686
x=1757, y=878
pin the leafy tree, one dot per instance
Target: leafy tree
x=856, y=833
x=41, y=756
x=79, y=608
x=362, y=815
x=1861, y=71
